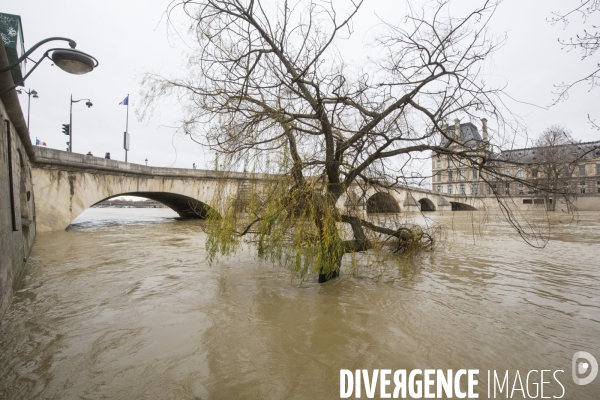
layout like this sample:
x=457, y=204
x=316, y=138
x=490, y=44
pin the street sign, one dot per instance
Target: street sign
x=126, y=141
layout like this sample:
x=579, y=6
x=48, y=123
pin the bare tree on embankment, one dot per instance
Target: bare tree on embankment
x=557, y=163
x=270, y=90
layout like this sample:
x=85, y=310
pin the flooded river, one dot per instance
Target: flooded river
x=123, y=305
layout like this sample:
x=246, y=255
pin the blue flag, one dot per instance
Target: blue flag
x=125, y=102
x=37, y=142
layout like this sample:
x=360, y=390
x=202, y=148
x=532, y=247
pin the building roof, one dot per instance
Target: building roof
x=530, y=155
x=469, y=135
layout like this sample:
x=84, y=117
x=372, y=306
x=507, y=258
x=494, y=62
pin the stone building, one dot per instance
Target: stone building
x=17, y=224
x=538, y=176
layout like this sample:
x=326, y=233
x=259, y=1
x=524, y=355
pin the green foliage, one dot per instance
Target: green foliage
x=300, y=228
x=222, y=237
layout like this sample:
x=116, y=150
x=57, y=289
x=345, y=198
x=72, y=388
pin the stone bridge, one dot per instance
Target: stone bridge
x=66, y=184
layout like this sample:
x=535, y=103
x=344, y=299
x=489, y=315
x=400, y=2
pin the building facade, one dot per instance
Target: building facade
x=538, y=176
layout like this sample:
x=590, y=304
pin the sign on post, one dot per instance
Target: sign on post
x=126, y=141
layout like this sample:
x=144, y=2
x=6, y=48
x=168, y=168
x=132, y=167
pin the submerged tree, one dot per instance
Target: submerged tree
x=269, y=90
x=557, y=155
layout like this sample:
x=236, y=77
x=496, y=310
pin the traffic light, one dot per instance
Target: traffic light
x=66, y=129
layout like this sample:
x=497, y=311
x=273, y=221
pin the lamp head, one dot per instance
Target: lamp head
x=88, y=104
x=73, y=61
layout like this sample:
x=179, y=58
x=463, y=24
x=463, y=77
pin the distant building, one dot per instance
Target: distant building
x=531, y=173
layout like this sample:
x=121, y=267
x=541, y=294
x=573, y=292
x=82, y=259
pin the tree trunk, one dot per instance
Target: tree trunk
x=332, y=246
x=327, y=276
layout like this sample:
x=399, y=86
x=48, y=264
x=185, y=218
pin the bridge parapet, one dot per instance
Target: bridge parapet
x=65, y=160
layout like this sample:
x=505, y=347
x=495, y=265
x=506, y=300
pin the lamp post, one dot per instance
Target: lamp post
x=29, y=94
x=89, y=104
x=69, y=60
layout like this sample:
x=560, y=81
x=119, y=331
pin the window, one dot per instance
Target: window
x=439, y=176
x=449, y=176
x=475, y=189
x=494, y=175
x=474, y=173
x=520, y=173
x=462, y=175
x=440, y=189
x=582, y=169
x=527, y=201
x=597, y=169
x=462, y=189
x=450, y=164
x=507, y=188
x=449, y=189
x=582, y=187
x=439, y=162
x=520, y=188
x=507, y=172
x=534, y=173
x=462, y=162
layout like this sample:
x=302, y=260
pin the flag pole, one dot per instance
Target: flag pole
x=127, y=126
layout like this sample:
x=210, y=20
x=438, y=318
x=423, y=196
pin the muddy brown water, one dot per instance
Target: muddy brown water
x=123, y=305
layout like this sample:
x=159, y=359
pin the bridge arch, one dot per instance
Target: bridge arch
x=185, y=206
x=456, y=206
x=426, y=204
x=382, y=202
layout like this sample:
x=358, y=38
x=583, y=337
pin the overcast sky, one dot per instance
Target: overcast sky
x=130, y=38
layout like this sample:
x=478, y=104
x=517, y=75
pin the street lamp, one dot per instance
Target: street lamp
x=69, y=60
x=146, y=162
x=89, y=104
x=29, y=94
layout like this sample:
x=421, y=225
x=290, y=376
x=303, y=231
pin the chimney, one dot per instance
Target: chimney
x=444, y=128
x=484, y=129
x=457, y=136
